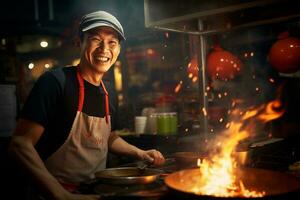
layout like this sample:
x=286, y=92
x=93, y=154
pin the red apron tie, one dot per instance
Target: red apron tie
x=81, y=91
x=106, y=102
x=81, y=95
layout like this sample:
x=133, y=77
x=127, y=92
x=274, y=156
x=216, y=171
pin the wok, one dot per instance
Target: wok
x=128, y=175
x=275, y=184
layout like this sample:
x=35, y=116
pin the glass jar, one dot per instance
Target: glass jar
x=167, y=123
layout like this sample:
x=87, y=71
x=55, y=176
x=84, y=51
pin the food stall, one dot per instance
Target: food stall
x=241, y=137
x=213, y=85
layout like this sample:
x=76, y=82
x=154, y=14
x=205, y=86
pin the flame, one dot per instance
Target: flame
x=269, y=113
x=218, y=175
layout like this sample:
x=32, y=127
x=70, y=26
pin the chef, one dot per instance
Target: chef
x=67, y=123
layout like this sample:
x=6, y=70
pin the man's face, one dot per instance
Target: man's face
x=100, y=48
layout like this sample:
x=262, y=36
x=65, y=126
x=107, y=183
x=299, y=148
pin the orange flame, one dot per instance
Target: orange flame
x=218, y=175
x=269, y=113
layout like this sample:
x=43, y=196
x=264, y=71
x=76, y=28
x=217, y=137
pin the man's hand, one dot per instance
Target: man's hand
x=152, y=156
x=120, y=146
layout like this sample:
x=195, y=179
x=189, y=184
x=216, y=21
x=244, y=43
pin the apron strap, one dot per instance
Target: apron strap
x=106, y=102
x=81, y=95
x=81, y=91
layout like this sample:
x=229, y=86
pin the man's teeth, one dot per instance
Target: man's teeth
x=103, y=59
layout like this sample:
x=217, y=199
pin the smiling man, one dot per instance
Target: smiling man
x=68, y=121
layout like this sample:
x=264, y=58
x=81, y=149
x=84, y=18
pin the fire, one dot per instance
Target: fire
x=218, y=175
x=269, y=113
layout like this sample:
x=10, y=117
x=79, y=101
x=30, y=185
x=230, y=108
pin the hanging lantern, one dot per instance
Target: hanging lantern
x=222, y=64
x=284, y=55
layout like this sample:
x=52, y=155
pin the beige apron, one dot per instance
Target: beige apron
x=85, y=150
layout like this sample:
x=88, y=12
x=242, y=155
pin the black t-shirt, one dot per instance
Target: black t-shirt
x=53, y=103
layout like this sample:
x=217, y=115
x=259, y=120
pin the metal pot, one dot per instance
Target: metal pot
x=128, y=175
x=277, y=185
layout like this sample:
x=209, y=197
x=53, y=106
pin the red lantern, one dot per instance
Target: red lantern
x=222, y=64
x=284, y=55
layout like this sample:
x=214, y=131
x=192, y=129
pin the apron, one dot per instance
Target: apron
x=85, y=150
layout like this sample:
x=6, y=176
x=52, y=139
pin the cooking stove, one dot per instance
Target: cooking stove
x=276, y=156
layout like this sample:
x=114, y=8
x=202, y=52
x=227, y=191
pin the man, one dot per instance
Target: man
x=67, y=123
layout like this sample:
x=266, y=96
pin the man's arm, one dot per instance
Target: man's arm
x=119, y=146
x=21, y=148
